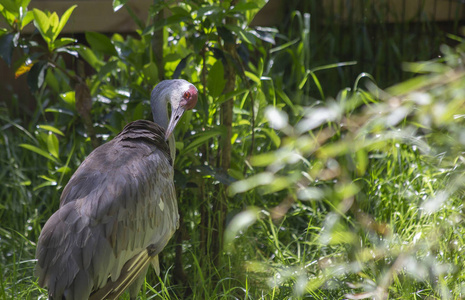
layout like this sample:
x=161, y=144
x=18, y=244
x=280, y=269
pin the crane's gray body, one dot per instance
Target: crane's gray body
x=119, y=209
x=120, y=200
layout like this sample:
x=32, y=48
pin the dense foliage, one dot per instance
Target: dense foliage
x=285, y=188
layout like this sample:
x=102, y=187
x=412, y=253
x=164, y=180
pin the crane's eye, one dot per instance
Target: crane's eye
x=187, y=95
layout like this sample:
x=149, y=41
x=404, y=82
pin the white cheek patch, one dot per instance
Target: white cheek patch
x=161, y=204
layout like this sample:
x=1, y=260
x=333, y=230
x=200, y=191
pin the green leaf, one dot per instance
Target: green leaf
x=252, y=76
x=202, y=137
x=69, y=97
x=150, y=71
x=244, y=6
x=54, y=21
x=177, y=10
x=24, y=3
x=63, y=42
x=27, y=19
x=42, y=23
x=286, y=100
x=284, y=46
x=207, y=11
x=52, y=129
x=100, y=42
x=11, y=7
x=38, y=151
x=272, y=135
x=215, y=80
x=315, y=79
x=107, y=68
x=224, y=97
x=138, y=112
x=117, y=4
x=89, y=56
x=247, y=37
x=9, y=17
x=64, y=20
x=60, y=111
x=45, y=184
x=64, y=170
x=52, y=145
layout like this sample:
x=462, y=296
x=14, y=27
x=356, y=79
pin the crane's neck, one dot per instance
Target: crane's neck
x=160, y=117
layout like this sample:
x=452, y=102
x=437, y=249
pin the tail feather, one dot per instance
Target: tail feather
x=130, y=272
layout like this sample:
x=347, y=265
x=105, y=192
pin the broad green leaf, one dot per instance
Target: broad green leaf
x=69, y=97
x=52, y=145
x=244, y=6
x=215, y=80
x=42, y=23
x=27, y=19
x=138, y=112
x=100, y=42
x=9, y=16
x=38, y=151
x=64, y=19
x=54, y=21
x=52, y=129
x=11, y=6
x=52, y=81
x=150, y=71
x=89, y=56
x=24, y=3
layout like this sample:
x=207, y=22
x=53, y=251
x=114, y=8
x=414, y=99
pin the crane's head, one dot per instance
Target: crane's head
x=181, y=94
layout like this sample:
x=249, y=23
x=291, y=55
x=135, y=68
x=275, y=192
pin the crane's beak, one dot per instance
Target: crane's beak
x=176, y=115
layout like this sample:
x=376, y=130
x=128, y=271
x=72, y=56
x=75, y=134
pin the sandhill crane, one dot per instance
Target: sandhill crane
x=119, y=208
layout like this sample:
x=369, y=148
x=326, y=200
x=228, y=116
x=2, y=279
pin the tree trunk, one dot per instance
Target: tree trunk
x=84, y=107
x=220, y=206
